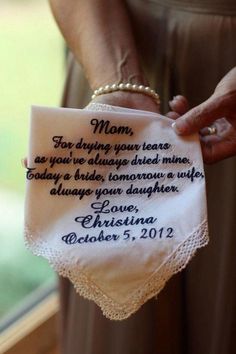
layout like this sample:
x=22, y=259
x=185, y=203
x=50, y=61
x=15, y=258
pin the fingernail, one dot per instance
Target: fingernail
x=176, y=128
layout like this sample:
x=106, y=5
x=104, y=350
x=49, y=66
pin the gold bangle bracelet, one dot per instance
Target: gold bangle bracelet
x=127, y=87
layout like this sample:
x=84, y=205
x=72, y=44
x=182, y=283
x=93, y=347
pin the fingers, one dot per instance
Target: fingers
x=179, y=105
x=221, y=145
x=217, y=151
x=199, y=117
x=172, y=115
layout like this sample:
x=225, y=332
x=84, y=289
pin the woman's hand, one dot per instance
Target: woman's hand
x=219, y=110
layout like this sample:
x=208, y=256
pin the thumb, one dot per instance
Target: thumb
x=200, y=116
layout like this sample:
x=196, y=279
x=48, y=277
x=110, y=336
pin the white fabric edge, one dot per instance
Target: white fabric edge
x=176, y=262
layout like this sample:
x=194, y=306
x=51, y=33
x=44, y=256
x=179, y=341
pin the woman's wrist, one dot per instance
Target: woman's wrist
x=133, y=78
x=129, y=100
x=101, y=40
x=127, y=87
x=116, y=70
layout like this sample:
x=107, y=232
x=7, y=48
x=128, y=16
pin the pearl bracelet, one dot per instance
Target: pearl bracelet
x=127, y=87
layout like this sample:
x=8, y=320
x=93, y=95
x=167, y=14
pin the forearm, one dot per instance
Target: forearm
x=99, y=34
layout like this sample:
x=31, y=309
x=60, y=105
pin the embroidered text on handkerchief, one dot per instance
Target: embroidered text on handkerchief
x=115, y=201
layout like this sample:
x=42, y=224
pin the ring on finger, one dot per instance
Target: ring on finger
x=212, y=130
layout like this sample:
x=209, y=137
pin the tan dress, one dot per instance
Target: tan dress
x=186, y=47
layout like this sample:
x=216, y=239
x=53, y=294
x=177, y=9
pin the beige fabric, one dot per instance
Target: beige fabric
x=184, y=52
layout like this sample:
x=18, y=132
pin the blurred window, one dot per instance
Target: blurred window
x=32, y=72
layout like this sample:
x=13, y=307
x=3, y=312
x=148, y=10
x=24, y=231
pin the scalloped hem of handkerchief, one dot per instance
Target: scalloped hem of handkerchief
x=113, y=310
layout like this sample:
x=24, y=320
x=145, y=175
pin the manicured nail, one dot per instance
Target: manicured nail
x=176, y=128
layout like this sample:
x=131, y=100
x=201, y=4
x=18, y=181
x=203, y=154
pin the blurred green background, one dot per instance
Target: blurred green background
x=32, y=68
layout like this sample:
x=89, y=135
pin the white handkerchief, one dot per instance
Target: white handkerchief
x=115, y=201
